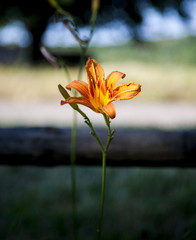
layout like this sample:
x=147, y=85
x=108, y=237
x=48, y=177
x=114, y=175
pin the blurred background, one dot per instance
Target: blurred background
x=154, y=43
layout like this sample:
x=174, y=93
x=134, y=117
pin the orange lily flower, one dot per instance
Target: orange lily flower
x=99, y=93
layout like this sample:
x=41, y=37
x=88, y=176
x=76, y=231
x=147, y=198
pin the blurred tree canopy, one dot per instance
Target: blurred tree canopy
x=36, y=14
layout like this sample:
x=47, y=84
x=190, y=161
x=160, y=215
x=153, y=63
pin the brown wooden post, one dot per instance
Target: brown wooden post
x=51, y=147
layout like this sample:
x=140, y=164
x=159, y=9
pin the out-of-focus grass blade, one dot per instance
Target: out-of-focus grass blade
x=51, y=59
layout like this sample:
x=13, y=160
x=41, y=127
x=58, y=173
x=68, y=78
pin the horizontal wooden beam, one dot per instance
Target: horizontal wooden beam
x=51, y=147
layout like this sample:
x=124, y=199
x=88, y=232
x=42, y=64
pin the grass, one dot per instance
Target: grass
x=166, y=70
x=159, y=82
x=168, y=52
x=180, y=51
x=150, y=204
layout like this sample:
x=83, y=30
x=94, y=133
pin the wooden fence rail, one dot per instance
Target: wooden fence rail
x=51, y=147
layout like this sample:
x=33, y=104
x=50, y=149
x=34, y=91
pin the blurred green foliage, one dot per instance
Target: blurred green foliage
x=165, y=52
x=178, y=51
x=150, y=204
x=166, y=70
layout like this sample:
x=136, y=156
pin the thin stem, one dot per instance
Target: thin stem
x=110, y=133
x=82, y=60
x=93, y=133
x=73, y=175
x=104, y=156
x=63, y=64
x=102, y=194
x=84, y=48
x=73, y=151
x=73, y=158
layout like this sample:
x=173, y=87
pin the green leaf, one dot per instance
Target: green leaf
x=66, y=95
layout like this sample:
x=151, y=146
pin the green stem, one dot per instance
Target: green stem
x=73, y=153
x=84, y=48
x=63, y=64
x=73, y=175
x=93, y=133
x=102, y=194
x=104, y=156
x=82, y=59
x=73, y=157
x=110, y=133
x=73, y=160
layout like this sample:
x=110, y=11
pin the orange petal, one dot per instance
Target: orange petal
x=113, y=78
x=126, y=91
x=79, y=100
x=79, y=86
x=95, y=73
x=109, y=110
